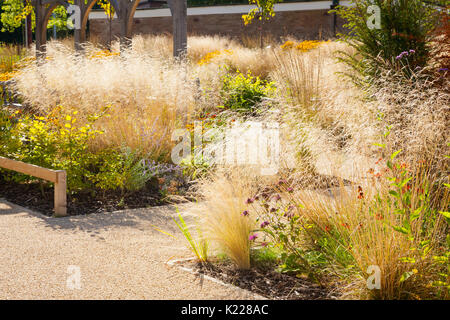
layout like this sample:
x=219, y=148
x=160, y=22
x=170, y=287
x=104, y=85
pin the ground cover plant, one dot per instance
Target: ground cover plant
x=358, y=206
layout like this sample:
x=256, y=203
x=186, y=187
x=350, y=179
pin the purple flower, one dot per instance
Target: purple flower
x=264, y=224
x=401, y=55
x=290, y=189
x=282, y=181
x=249, y=200
x=252, y=237
x=443, y=69
x=264, y=244
x=277, y=197
x=245, y=213
x=412, y=51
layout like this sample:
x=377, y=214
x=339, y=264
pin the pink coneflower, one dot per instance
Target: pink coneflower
x=253, y=237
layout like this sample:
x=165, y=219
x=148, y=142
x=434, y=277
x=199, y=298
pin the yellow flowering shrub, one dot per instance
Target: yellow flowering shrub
x=303, y=46
x=287, y=45
x=7, y=75
x=207, y=58
x=103, y=54
x=308, y=45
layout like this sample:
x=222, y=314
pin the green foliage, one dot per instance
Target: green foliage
x=7, y=120
x=264, y=11
x=199, y=248
x=244, y=92
x=13, y=14
x=265, y=257
x=49, y=143
x=404, y=27
x=54, y=144
x=194, y=167
x=284, y=230
x=124, y=171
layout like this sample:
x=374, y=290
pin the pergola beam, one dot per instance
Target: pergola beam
x=125, y=10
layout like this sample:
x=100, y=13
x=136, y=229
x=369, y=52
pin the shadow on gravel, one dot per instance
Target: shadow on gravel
x=6, y=208
x=145, y=219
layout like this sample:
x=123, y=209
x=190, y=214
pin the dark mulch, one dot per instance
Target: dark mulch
x=30, y=195
x=264, y=281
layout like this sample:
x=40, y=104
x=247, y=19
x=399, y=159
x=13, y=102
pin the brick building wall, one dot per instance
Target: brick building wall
x=302, y=24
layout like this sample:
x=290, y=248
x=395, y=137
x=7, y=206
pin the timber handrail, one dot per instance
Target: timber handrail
x=58, y=177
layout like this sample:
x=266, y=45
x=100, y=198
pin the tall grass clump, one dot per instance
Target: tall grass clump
x=223, y=213
x=390, y=223
x=10, y=55
x=147, y=95
x=298, y=77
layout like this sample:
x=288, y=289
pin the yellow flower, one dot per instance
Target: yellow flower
x=103, y=54
x=308, y=45
x=208, y=57
x=7, y=75
x=287, y=45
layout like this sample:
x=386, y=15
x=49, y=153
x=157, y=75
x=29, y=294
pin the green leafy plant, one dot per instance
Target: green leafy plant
x=284, y=229
x=200, y=247
x=400, y=40
x=53, y=143
x=264, y=11
x=122, y=170
x=244, y=92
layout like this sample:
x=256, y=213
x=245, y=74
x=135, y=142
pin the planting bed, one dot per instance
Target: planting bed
x=32, y=196
x=263, y=281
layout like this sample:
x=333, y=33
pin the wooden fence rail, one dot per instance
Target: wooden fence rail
x=59, y=177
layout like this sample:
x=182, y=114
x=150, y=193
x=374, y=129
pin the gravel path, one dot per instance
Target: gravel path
x=118, y=255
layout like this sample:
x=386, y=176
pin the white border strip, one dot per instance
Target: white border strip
x=236, y=9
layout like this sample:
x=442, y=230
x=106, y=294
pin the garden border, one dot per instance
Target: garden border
x=245, y=293
x=58, y=177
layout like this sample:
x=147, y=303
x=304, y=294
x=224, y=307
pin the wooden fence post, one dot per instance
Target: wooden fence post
x=60, y=194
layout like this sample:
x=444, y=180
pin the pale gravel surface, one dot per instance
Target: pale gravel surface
x=120, y=255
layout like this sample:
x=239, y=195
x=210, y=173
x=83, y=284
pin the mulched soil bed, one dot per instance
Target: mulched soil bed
x=31, y=196
x=265, y=282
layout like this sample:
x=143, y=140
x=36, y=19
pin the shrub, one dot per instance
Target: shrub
x=405, y=25
x=244, y=92
x=122, y=170
x=54, y=144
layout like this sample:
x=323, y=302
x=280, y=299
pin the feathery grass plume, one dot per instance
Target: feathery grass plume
x=223, y=214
